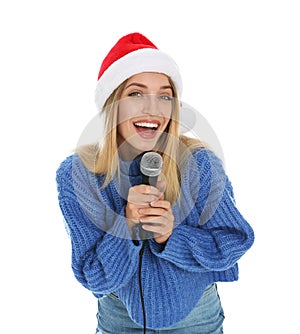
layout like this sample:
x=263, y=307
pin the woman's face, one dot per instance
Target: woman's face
x=145, y=110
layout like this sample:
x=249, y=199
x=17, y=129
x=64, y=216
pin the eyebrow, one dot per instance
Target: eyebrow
x=144, y=86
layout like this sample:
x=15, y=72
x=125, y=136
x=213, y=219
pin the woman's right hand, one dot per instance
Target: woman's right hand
x=140, y=197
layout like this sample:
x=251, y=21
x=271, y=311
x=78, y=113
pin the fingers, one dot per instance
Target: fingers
x=143, y=195
x=160, y=203
x=147, y=190
x=158, y=219
x=149, y=211
x=146, y=205
x=158, y=226
x=161, y=185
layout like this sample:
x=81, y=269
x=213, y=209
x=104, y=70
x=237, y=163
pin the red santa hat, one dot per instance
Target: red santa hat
x=133, y=54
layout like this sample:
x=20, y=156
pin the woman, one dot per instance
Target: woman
x=164, y=282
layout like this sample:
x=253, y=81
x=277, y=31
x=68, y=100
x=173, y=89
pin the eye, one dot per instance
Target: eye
x=166, y=97
x=135, y=94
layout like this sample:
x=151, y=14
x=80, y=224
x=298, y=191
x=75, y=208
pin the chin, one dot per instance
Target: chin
x=144, y=147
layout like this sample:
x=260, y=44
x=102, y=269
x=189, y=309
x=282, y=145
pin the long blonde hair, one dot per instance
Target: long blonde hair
x=104, y=159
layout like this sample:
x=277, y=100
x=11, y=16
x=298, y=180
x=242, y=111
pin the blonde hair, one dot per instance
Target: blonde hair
x=104, y=159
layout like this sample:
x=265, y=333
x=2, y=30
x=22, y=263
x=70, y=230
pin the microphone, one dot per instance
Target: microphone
x=150, y=166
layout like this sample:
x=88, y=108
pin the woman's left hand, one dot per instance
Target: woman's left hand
x=158, y=218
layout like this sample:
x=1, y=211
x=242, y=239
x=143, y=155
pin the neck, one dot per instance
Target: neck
x=128, y=152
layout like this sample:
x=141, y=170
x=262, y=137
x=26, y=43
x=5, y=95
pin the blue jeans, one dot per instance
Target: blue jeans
x=206, y=317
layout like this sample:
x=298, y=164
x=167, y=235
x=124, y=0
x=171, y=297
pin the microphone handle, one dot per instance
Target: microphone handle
x=149, y=180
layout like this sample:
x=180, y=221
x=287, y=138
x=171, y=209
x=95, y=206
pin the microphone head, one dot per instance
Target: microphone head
x=151, y=164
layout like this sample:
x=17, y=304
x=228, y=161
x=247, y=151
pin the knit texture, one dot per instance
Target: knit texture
x=209, y=237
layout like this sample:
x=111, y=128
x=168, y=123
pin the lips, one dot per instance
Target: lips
x=147, y=128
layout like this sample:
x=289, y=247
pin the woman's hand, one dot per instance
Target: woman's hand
x=158, y=219
x=146, y=205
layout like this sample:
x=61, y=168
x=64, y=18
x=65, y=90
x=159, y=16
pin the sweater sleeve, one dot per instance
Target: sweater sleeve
x=214, y=235
x=101, y=261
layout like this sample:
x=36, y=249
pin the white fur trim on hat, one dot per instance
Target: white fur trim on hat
x=142, y=60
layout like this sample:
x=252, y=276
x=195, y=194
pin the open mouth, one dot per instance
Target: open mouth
x=146, y=128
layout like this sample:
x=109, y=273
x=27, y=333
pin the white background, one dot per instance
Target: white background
x=240, y=65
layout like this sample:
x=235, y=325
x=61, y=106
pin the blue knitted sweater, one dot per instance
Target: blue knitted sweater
x=209, y=237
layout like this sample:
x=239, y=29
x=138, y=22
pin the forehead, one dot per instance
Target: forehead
x=149, y=78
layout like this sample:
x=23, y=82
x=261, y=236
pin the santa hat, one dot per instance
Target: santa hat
x=133, y=54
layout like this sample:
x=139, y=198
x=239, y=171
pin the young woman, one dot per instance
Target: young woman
x=164, y=282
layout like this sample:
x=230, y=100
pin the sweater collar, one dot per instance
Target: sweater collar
x=131, y=168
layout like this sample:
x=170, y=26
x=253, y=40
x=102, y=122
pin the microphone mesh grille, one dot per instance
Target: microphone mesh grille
x=151, y=164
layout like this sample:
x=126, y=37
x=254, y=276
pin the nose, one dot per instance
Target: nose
x=151, y=104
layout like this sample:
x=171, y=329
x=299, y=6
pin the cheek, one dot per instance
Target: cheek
x=123, y=128
x=125, y=112
x=123, y=116
x=167, y=119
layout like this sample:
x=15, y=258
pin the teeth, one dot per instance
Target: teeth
x=146, y=125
